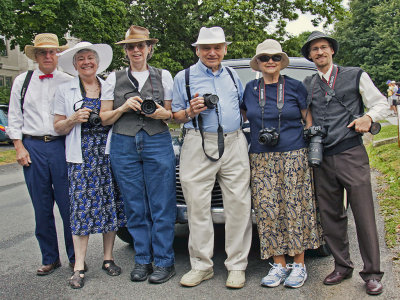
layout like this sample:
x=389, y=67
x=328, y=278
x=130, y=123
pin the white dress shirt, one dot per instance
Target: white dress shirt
x=37, y=119
x=378, y=108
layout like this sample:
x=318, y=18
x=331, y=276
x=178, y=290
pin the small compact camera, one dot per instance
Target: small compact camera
x=315, y=135
x=210, y=100
x=268, y=136
x=94, y=118
x=375, y=126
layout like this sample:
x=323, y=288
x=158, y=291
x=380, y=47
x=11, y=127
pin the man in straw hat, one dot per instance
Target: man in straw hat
x=337, y=96
x=210, y=110
x=40, y=150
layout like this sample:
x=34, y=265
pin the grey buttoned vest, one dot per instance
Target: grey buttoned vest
x=334, y=115
x=130, y=122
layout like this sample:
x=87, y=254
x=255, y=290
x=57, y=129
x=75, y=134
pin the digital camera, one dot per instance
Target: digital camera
x=210, y=100
x=94, y=118
x=148, y=106
x=315, y=135
x=268, y=136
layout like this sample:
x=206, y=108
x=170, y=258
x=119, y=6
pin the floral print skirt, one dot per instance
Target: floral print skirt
x=284, y=203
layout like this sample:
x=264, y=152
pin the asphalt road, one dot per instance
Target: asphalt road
x=20, y=257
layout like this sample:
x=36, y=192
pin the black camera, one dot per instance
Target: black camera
x=268, y=136
x=210, y=100
x=94, y=118
x=375, y=126
x=315, y=135
x=149, y=106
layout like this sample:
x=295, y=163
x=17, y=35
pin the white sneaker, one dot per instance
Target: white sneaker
x=195, y=277
x=297, y=276
x=276, y=275
x=236, y=279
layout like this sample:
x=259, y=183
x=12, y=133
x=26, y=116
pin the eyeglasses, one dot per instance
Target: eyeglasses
x=266, y=58
x=140, y=46
x=45, y=52
x=323, y=48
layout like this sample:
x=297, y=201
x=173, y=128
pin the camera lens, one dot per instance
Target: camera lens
x=94, y=119
x=210, y=100
x=375, y=128
x=148, y=106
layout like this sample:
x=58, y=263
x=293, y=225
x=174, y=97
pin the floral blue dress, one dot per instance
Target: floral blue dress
x=96, y=203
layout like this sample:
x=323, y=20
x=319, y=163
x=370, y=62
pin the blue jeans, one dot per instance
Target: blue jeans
x=144, y=167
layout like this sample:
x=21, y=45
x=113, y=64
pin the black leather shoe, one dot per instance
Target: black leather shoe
x=337, y=277
x=141, y=272
x=162, y=274
x=374, y=287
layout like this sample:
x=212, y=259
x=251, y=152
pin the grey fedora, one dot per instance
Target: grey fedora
x=315, y=35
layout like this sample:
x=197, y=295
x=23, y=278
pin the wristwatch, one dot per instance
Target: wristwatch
x=187, y=115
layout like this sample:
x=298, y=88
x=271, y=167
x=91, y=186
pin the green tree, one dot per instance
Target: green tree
x=369, y=38
x=175, y=23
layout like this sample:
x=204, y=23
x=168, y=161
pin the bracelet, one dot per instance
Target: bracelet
x=171, y=116
x=187, y=115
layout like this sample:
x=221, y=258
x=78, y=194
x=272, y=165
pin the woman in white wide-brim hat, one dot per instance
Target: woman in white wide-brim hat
x=282, y=194
x=95, y=203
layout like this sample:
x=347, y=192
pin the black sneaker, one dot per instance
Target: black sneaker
x=141, y=272
x=162, y=274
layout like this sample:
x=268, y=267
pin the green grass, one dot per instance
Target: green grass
x=386, y=159
x=7, y=157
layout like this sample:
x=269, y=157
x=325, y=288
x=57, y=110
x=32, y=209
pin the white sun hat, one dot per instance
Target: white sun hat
x=104, y=52
x=213, y=35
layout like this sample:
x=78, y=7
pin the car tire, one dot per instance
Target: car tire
x=124, y=235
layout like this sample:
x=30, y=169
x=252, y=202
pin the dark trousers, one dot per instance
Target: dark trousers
x=350, y=170
x=47, y=181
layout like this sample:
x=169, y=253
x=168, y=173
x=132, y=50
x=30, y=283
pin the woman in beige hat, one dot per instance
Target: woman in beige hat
x=275, y=106
x=142, y=156
x=96, y=206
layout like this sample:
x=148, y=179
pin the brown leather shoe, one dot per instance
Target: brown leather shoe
x=374, y=286
x=337, y=277
x=48, y=269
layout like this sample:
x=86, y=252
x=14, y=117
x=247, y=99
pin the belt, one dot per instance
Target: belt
x=45, y=138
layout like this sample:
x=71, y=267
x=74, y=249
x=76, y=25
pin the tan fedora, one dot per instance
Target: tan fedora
x=136, y=34
x=269, y=47
x=43, y=41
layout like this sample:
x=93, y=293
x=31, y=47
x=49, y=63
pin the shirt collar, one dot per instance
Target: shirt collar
x=207, y=70
x=327, y=74
x=39, y=72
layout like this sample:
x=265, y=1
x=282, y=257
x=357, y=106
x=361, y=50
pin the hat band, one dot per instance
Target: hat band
x=46, y=44
x=137, y=36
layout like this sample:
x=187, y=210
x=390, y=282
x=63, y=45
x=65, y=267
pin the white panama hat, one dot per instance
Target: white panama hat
x=213, y=35
x=104, y=52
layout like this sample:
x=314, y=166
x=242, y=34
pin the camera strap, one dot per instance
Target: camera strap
x=132, y=79
x=280, y=99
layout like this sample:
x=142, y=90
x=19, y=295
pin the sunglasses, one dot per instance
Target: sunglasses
x=140, y=46
x=266, y=58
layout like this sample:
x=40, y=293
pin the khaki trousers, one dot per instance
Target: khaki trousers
x=197, y=175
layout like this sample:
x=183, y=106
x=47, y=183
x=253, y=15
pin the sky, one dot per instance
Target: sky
x=303, y=23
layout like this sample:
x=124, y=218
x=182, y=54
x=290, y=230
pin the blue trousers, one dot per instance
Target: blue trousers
x=144, y=167
x=47, y=181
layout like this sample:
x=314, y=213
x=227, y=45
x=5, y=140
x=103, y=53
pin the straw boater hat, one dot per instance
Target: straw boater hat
x=316, y=35
x=104, y=52
x=269, y=47
x=213, y=35
x=136, y=34
x=43, y=41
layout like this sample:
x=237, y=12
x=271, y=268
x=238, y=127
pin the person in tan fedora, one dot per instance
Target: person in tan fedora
x=40, y=149
x=200, y=166
x=142, y=156
x=281, y=182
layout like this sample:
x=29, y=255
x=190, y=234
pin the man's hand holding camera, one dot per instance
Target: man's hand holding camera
x=361, y=124
x=196, y=106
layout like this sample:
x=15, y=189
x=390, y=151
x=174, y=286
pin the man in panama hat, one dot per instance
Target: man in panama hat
x=40, y=150
x=337, y=96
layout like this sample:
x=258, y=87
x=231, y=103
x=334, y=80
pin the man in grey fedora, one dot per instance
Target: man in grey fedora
x=337, y=96
x=227, y=160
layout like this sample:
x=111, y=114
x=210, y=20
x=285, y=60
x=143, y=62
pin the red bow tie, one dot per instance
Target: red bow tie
x=46, y=76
